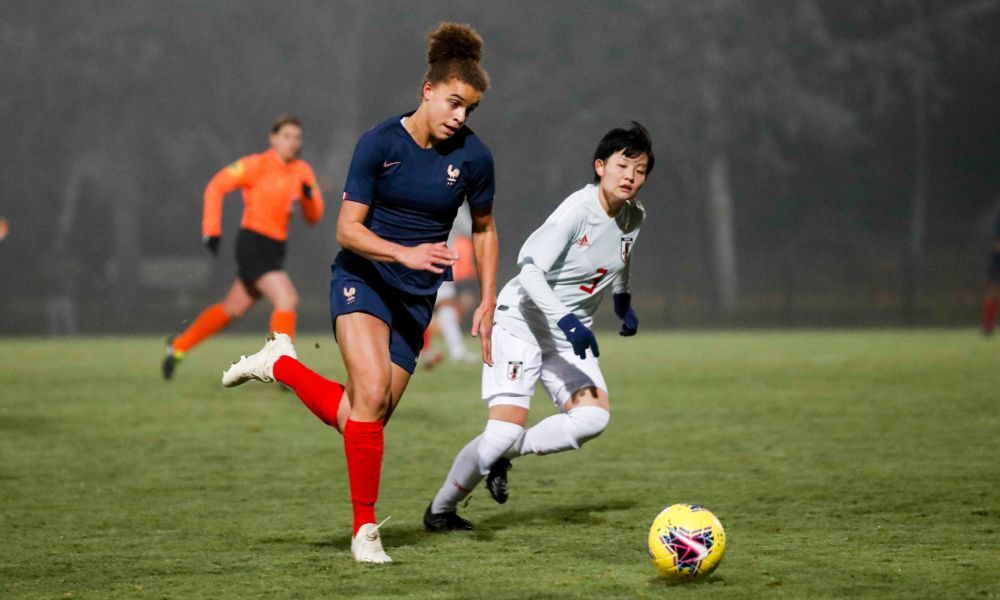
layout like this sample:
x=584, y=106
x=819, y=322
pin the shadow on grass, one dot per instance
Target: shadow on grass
x=712, y=579
x=580, y=514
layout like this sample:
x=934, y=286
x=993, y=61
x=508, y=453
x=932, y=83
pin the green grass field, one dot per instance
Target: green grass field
x=843, y=464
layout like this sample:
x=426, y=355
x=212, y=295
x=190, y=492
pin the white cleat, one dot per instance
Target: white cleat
x=259, y=366
x=367, y=545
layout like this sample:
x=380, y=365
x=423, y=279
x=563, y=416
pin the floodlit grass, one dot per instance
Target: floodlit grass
x=849, y=463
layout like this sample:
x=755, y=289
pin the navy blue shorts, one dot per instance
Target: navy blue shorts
x=360, y=289
x=995, y=267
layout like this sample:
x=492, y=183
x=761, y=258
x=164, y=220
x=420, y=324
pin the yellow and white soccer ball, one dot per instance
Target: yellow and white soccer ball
x=686, y=541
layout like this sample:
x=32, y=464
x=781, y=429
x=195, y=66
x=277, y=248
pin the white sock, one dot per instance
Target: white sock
x=565, y=431
x=451, y=331
x=463, y=477
x=473, y=463
x=497, y=439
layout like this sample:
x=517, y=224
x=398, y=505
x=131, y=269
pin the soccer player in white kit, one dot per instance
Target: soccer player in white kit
x=542, y=326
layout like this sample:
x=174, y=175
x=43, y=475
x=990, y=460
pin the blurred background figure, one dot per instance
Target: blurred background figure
x=272, y=182
x=62, y=275
x=455, y=299
x=993, y=283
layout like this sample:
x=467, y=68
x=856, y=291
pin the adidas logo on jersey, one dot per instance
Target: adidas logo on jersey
x=582, y=242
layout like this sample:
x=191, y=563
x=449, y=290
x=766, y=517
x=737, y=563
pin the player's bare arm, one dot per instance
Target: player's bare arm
x=353, y=235
x=486, y=246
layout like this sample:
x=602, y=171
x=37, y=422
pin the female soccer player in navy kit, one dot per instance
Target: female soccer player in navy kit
x=542, y=329
x=408, y=177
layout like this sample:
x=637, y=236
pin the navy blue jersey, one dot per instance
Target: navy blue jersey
x=414, y=193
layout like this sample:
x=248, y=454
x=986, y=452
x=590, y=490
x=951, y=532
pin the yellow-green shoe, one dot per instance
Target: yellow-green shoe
x=171, y=358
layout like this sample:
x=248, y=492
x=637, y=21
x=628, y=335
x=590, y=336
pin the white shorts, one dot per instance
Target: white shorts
x=518, y=365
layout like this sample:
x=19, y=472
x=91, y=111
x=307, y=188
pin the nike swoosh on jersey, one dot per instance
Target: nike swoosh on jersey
x=386, y=165
x=698, y=547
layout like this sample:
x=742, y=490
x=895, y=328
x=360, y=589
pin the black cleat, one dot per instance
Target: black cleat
x=448, y=521
x=496, y=481
x=170, y=359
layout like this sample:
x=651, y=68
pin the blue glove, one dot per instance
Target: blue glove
x=623, y=308
x=578, y=335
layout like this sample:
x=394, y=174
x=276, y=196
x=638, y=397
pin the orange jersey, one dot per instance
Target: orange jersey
x=270, y=186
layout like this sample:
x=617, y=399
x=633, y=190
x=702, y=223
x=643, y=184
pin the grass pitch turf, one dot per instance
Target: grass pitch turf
x=842, y=464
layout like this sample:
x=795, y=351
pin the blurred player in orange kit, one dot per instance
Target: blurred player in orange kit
x=272, y=182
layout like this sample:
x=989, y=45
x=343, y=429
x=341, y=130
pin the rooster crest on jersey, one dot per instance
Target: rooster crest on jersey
x=349, y=294
x=453, y=174
x=514, y=369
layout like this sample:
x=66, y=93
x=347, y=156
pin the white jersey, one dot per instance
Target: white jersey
x=581, y=251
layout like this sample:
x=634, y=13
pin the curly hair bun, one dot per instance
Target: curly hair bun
x=454, y=41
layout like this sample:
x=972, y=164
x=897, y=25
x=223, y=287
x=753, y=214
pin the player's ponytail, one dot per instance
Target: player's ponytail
x=453, y=52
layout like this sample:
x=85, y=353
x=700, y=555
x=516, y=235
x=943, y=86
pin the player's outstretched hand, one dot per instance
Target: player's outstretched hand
x=623, y=308
x=212, y=243
x=428, y=257
x=578, y=335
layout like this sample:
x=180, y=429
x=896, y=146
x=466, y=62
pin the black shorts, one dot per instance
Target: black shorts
x=256, y=255
x=995, y=267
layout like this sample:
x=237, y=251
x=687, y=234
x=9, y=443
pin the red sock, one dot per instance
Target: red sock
x=363, y=446
x=989, y=314
x=318, y=393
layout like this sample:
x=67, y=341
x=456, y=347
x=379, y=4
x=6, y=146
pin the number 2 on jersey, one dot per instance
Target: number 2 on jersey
x=593, y=284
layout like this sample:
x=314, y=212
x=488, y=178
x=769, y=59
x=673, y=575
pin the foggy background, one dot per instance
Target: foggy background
x=818, y=162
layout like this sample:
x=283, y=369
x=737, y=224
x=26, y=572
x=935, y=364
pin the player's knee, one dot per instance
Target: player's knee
x=588, y=396
x=498, y=437
x=371, y=393
x=236, y=310
x=587, y=422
